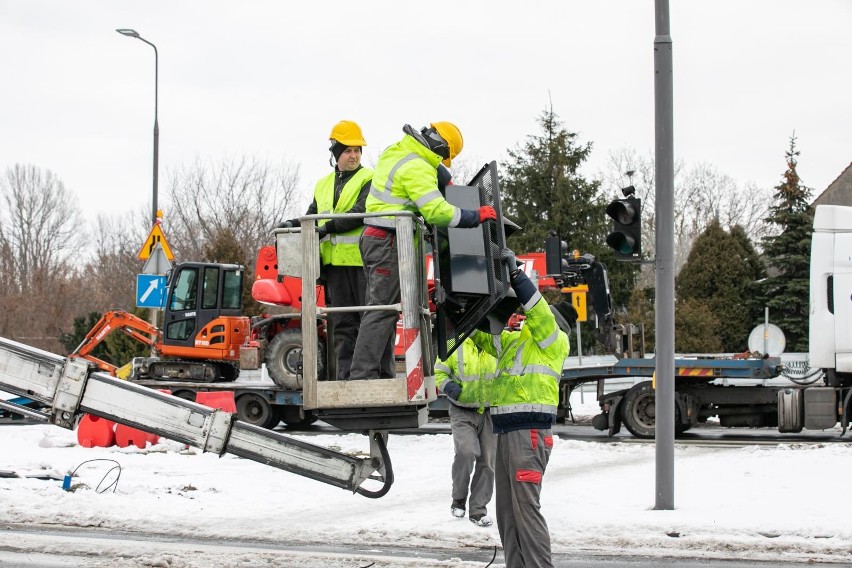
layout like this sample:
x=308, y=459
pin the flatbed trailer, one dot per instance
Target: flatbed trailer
x=743, y=398
x=685, y=367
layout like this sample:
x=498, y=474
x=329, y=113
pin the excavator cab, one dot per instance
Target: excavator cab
x=203, y=312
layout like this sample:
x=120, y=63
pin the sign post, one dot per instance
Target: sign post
x=157, y=253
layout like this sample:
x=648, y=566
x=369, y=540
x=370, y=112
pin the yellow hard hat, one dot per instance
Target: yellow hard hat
x=347, y=133
x=453, y=136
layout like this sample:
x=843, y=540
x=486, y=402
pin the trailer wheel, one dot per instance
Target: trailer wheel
x=639, y=411
x=284, y=359
x=185, y=394
x=254, y=409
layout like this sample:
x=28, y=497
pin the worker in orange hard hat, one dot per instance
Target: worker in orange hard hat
x=406, y=178
x=342, y=191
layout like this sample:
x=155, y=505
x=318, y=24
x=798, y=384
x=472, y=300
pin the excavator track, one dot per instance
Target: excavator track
x=188, y=371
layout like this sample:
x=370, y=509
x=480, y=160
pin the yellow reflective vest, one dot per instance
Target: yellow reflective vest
x=340, y=249
x=473, y=369
x=525, y=392
x=406, y=179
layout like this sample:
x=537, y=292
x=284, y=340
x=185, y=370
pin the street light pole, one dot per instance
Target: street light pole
x=134, y=33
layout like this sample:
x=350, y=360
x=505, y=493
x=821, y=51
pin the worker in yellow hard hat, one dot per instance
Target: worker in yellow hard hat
x=406, y=178
x=342, y=191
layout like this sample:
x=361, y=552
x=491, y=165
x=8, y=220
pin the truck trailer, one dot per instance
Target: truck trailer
x=816, y=401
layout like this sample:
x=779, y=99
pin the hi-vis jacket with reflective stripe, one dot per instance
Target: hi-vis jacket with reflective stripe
x=340, y=249
x=406, y=179
x=525, y=391
x=473, y=369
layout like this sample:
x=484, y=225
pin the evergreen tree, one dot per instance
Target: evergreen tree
x=787, y=253
x=697, y=327
x=542, y=190
x=721, y=271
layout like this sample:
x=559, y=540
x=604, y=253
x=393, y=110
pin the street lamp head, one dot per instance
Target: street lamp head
x=128, y=32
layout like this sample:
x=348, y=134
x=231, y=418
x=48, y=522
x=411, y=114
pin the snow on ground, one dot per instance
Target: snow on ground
x=758, y=502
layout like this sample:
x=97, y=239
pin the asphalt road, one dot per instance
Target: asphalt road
x=52, y=547
x=703, y=434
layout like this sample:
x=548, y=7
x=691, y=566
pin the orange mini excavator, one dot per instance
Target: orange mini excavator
x=203, y=327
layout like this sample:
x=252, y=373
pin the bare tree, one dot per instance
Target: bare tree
x=702, y=194
x=40, y=225
x=115, y=264
x=40, y=230
x=243, y=195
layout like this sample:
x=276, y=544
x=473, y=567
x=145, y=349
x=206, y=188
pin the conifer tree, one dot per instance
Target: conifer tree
x=722, y=271
x=542, y=189
x=787, y=252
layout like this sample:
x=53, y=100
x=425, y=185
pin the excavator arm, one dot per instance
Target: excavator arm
x=116, y=320
x=69, y=387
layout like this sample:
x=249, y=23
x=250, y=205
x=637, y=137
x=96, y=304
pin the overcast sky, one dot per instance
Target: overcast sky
x=269, y=79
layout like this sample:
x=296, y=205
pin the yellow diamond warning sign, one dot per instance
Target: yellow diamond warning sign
x=155, y=237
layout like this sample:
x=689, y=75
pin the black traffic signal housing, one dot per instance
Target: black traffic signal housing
x=555, y=250
x=626, y=235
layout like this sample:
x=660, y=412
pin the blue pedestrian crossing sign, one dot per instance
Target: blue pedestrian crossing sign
x=150, y=291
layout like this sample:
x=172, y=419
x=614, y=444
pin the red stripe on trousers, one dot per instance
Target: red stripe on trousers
x=528, y=476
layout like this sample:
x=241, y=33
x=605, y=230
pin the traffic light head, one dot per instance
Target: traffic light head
x=626, y=236
x=554, y=253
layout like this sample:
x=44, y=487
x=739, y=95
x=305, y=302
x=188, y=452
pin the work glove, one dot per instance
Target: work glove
x=285, y=225
x=487, y=212
x=510, y=260
x=322, y=231
x=452, y=390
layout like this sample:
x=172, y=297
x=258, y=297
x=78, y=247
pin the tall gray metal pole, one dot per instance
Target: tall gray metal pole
x=133, y=33
x=665, y=277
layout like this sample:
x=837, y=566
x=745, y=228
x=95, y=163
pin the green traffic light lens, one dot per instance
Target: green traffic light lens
x=624, y=244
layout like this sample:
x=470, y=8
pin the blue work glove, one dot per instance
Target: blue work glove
x=322, y=231
x=285, y=225
x=452, y=390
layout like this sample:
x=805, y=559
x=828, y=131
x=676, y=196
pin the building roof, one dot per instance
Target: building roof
x=838, y=192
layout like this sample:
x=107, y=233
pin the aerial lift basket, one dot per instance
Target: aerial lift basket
x=397, y=402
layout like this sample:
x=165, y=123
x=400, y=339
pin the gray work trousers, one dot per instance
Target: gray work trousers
x=522, y=457
x=475, y=451
x=373, y=357
x=345, y=286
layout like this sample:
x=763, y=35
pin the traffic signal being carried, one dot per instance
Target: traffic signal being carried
x=626, y=236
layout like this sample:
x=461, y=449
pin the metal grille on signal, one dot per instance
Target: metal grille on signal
x=461, y=309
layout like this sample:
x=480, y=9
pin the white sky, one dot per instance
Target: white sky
x=269, y=79
x=759, y=502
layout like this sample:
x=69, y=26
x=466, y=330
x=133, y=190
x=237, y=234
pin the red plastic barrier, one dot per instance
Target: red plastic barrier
x=223, y=400
x=125, y=435
x=93, y=431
